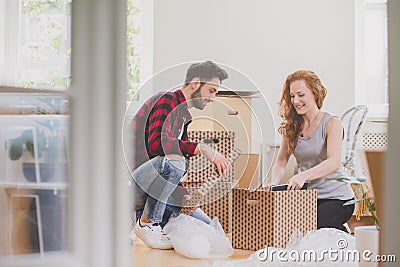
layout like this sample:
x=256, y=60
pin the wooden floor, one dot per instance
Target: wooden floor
x=143, y=256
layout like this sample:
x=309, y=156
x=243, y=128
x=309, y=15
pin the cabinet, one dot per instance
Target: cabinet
x=229, y=112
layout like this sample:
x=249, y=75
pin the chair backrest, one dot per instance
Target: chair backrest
x=352, y=120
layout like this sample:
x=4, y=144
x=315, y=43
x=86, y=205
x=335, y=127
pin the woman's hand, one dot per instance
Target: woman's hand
x=297, y=181
x=268, y=186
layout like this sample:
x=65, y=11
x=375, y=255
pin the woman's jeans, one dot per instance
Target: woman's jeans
x=153, y=184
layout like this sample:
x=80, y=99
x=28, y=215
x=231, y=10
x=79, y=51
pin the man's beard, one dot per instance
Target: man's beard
x=197, y=99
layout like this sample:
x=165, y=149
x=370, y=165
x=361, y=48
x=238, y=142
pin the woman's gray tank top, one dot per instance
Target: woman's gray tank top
x=310, y=152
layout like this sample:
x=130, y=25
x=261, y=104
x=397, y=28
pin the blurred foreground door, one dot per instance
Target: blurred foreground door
x=63, y=193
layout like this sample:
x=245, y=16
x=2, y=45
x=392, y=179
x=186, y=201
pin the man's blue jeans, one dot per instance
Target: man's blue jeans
x=174, y=210
x=153, y=184
x=160, y=168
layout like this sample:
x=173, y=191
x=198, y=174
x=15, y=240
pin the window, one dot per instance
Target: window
x=140, y=47
x=38, y=50
x=140, y=54
x=38, y=44
x=34, y=118
x=133, y=39
x=372, y=56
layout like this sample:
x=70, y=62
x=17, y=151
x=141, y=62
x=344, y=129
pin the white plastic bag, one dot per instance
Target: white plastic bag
x=195, y=239
x=331, y=247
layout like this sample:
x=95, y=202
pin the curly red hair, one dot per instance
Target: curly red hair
x=291, y=125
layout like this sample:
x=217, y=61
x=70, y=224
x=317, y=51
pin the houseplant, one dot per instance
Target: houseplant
x=42, y=146
x=365, y=200
x=42, y=149
x=367, y=237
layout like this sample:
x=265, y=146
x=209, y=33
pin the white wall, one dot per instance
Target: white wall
x=390, y=183
x=264, y=39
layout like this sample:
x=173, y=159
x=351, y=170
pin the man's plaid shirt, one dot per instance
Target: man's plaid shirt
x=160, y=128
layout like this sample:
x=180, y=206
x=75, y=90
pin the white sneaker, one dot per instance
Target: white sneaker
x=132, y=236
x=153, y=235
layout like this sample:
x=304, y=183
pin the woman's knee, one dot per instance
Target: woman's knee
x=332, y=213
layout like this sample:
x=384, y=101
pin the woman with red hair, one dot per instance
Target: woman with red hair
x=314, y=137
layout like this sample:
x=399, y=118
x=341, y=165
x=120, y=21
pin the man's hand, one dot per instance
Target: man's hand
x=222, y=165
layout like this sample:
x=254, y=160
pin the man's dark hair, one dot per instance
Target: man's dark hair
x=205, y=71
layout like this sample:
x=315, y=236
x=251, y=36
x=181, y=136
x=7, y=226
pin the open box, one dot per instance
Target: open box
x=268, y=219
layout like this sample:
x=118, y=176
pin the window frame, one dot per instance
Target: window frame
x=2, y=37
x=8, y=31
x=376, y=111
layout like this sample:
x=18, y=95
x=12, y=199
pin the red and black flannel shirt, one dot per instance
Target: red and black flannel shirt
x=160, y=128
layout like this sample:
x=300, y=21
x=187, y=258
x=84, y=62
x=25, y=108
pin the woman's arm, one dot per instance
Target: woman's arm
x=278, y=169
x=334, y=135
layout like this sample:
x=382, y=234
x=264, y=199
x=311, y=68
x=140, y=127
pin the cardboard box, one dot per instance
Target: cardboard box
x=215, y=202
x=200, y=168
x=213, y=194
x=247, y=171
x=230, y=111
x=268, y=219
